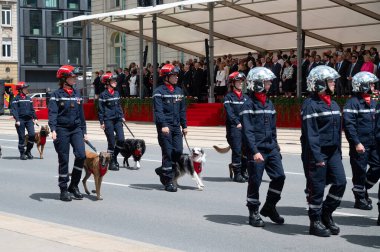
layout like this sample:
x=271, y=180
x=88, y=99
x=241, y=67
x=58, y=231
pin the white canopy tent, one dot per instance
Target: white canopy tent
x=241, y=26
x=250, y=25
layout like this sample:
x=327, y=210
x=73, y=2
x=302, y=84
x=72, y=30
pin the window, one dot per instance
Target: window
x=73, y=4
x=30, y=3
x=6, y=16
x=117, y=3
x=7, y=48
x=114, y=4
x=53, y=52
x=74, y=52
x=35, y=22
x=77, y=27
x=31, y=51
x=55, y=29
x=117, y=48
x=51, y=3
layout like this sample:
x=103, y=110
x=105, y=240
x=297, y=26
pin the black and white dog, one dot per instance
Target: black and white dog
x=191, y=165
x=134, y=148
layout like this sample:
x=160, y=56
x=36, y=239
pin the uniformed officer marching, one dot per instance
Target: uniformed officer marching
x=111, y=117
x=68, y=126
x=258, y=118
x=233, y=102
x=321, y=122
x=169, y=115
x=359, y=126
x=25, y=116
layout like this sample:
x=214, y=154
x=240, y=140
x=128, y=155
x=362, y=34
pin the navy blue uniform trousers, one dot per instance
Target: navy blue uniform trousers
x=29, y=126
x=116, y=126
x=172, y=148
x=65, y=137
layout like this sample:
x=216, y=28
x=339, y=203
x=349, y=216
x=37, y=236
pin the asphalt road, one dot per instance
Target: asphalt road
x=136, y=207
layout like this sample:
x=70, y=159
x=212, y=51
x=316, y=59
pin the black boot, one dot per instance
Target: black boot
x=378, y=218
x=65, y=195
x=329, y=223
x=367, y=198
x=244, y=173
x=255, y=218
x=269, y=210
x=362, y=203
x=75, y=191
x=318, y=229
x=170, y=187
x=159, y=172
x=23, y=156
x=112, y=166
x=237, y=174
x=29, y=147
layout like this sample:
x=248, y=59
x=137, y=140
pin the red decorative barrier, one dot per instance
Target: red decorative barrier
x=198, y=114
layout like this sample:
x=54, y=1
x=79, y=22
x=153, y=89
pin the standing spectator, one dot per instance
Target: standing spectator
x=220, y=86
x=120, y=81
x=235, y=66
x=318, y=61
x=268, y=63
x=341, y=67
x=287, y=78
x=367, y=66
x=312, y=64
x=133, y=83
x=353, y=69
x=187, y=80
x=276, y=69
x=305, y=65
x=197, y=81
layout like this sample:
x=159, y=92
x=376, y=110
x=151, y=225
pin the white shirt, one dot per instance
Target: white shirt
x=221, y=78
x=133, y=85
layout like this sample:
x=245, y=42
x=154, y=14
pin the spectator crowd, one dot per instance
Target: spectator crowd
x=193, y=74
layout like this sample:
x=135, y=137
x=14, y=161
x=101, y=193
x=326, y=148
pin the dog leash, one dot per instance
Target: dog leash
x=184, y=136
x=90, y=145
x=128, y=129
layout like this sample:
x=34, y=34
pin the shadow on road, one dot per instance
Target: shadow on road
x=356, y=221
x=292, y=211
x=12, y=158
x=158, y=187
x=371, y=241
x=41, y=196
x=217, y=179
x=235, y=220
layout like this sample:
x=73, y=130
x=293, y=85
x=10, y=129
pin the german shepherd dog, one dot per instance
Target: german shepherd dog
x=40, y=139
x=186, y=166
x=96, y=164
x=136, y=149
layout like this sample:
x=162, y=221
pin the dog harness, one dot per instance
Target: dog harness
x=42, y=140
x=137, y=153
x=102, y=169
x=197, y=167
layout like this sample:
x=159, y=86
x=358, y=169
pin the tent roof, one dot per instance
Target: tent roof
x=250, y=25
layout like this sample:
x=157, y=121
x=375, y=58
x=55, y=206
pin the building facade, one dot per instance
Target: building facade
x=112, y=49
x=44, y=45
x=9, y=42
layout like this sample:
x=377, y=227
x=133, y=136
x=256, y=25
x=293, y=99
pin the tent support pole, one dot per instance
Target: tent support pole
x=211, y=98
x=141, y=42
x=299, y=48
x=154, y=51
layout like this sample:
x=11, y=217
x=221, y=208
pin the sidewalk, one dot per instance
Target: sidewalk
x=25, y=234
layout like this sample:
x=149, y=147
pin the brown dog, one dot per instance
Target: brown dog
x=40, y=139
x=97, y=165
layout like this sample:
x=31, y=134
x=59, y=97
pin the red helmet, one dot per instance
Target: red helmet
x=167, y=70
x=236, y=76
x=20, y=85
x=67, y=71
x=107, y=77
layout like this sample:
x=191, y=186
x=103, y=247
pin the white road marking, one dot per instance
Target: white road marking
x=105, y=183
x=298, y=173
x=350, y=214
x=16, y=140
x=5, y=147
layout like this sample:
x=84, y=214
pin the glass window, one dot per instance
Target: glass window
x=74, y=52
x=7, y=46
x=52, y=52
x=56, y=30
x=6, y=16
x=73, y=4
x=31, y=51
x=51, y=3
x=30, y=3
x=35, y=22
x=117, y=48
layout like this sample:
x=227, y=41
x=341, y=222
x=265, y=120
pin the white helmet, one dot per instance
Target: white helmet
x=256, y=78
x=362, y=80
x=318, y=76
